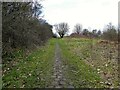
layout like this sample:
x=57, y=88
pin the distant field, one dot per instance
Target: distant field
x=91, y=60
x=88, y=63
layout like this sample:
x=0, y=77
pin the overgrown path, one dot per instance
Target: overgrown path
x=59, y=78
x=61, y=63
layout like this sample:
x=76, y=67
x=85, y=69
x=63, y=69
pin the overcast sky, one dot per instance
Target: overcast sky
x=92, y=14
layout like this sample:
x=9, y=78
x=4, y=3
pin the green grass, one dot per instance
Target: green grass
x=81, y=57
x=78, y=72
x=84, y=57
x=33, y=71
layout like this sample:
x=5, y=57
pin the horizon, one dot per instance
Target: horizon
x=91, y=14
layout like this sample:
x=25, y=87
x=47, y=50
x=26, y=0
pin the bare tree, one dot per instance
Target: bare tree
x=62, y=28
x=85, y=32
x=78, y=28
x=94, y=32
x=99, y=33
x=110, y=32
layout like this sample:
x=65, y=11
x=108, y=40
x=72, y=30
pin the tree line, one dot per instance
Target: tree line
x=109, y=33
x=23, y=26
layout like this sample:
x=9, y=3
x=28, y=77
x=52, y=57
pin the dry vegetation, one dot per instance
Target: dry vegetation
x=102, y=55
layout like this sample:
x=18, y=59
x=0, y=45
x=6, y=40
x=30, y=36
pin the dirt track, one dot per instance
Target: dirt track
x=59, y=77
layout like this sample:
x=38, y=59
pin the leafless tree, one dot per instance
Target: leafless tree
x=62, y=28
x=110, y=32
x=78, y=28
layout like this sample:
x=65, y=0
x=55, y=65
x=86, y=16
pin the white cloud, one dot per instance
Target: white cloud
x=90, y=13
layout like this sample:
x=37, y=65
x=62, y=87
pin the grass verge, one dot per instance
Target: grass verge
x=33, y=71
